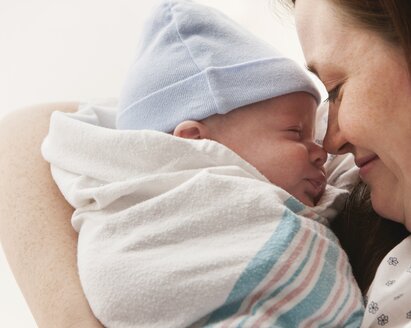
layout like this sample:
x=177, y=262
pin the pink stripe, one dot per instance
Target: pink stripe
x=296, y=291
x=281, y=272
x=354, y=304
x=315, y=320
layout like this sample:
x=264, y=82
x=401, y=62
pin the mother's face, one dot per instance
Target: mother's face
x=370, y=102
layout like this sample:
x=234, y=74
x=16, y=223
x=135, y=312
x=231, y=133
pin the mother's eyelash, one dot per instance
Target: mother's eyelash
x=333, y=94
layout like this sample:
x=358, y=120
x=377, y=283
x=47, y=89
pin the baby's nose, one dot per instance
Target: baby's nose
x=318, y=155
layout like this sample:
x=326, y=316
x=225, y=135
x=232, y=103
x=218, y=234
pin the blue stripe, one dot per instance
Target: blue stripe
x=259, y=266
x=322, y=289
x=278, y=290
x=355, y=318
x=317, y=296
x=294, y=205
x=327, y=323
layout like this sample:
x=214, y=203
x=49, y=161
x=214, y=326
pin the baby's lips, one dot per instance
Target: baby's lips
x=318, y=184
x=319, y=181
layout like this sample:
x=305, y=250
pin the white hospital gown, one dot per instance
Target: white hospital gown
x=389, y=297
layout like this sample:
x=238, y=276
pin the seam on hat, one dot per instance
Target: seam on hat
x=192, y=58
x=162, y=90
x=179, y=36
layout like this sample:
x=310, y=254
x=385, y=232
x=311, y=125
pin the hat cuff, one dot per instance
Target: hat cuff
x=228, y=88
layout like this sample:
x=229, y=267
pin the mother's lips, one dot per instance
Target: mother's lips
x=360, y=162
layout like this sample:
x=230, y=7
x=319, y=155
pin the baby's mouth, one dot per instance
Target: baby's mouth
x=318, y=188
x=317, y=183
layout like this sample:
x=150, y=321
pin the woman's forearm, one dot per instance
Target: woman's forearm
x=35, y=230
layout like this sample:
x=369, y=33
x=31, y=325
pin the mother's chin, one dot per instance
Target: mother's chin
x=391, y=204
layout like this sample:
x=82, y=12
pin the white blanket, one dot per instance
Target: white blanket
x=176, y=232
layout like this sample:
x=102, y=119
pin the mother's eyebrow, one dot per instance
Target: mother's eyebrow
x=311, y=68
x=336, y=77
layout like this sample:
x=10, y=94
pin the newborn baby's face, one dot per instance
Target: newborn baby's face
x=277, y=137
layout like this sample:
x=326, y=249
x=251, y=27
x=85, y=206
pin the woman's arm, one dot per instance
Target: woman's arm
x=35, y=230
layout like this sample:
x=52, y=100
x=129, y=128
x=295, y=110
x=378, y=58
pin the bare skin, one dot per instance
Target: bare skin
x=35, y=230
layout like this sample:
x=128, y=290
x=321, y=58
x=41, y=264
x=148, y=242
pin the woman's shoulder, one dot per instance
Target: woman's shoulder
x=21, y=134
x=32, y=119
x=22, y=130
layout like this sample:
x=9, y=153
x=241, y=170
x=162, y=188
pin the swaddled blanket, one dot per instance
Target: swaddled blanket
x=177, y=233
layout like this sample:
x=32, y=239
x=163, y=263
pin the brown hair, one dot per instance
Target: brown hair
x=365, y=236
x=391, y=19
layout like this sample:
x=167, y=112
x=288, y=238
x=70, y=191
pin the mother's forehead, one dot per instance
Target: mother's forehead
x=323, y=35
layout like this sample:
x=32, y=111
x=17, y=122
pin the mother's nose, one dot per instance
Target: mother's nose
x=334, y=141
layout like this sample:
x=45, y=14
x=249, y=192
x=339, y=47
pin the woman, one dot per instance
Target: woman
x=369, y=116
x=369, y=87
x=361, y=50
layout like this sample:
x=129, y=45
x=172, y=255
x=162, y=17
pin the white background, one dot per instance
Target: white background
x=61, y=50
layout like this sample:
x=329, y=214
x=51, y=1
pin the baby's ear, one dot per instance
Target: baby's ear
x=192, y=130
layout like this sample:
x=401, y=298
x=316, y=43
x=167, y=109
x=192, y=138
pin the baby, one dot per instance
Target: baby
x=192, y=211
x=207, y=78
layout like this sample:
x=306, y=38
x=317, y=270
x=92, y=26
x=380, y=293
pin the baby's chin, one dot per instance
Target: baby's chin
x=311, y=200
x=317, y=199
x=309, y=203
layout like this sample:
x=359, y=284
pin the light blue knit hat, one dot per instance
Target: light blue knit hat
x=194, y=62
